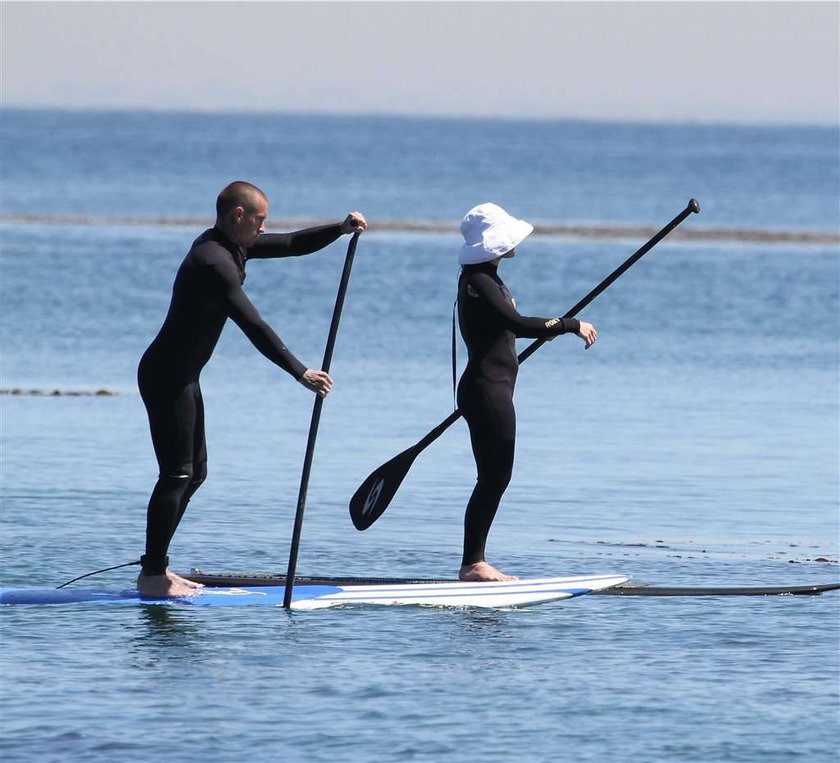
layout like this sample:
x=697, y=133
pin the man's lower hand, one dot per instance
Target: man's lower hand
x=319, y=382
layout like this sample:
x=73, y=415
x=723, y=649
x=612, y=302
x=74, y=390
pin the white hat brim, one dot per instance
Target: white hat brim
x=496, y=242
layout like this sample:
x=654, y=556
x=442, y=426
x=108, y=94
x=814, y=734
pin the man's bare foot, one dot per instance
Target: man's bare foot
x=162, y=587
x=176, y=578
x=481, y=572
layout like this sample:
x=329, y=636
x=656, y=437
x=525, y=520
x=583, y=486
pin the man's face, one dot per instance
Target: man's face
x=250, y=222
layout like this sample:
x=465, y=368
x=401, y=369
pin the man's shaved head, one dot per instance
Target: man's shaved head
x=238, y=194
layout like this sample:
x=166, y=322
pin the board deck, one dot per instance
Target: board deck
x=319, y=594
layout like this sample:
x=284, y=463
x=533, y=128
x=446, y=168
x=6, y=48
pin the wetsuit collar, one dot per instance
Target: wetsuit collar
x=238, y=252
x=228, y=242
x=487, y=267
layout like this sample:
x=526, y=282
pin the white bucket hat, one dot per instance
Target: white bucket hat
x=489, y=232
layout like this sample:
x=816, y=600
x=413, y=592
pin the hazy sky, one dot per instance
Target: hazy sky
x=710, y=61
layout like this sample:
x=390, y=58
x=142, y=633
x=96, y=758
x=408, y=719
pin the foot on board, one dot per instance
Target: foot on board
x=176, y=578
x=162, y=587
x=482, y=572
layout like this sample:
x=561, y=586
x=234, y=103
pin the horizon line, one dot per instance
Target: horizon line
x=675, y=121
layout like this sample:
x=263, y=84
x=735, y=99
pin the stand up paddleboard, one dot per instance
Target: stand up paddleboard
x=319, y=593
x=267, y=589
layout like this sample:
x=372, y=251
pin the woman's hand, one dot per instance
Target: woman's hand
x=587, y=333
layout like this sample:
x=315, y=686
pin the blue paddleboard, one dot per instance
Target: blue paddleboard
x=494, y=595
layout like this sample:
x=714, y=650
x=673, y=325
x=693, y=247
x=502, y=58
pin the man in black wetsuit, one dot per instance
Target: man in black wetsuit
x=490, y=325
x=208, y=291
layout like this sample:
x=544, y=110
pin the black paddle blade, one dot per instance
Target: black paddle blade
x=375, y=493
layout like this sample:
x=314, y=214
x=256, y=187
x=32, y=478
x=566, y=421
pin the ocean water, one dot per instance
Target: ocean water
x=695, y=444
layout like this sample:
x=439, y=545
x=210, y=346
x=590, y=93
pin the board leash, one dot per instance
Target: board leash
x=98, y=572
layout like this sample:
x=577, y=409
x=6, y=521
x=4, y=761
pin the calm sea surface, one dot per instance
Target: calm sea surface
x=695, y=444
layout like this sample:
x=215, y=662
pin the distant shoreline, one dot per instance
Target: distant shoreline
x=589, y=231
x=52, y=392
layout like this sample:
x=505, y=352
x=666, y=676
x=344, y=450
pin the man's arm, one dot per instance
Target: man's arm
x=300, y=242
x=242, y=311
x=304, y=241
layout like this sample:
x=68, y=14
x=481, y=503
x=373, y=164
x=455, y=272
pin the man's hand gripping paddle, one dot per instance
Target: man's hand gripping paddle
x=375, y=493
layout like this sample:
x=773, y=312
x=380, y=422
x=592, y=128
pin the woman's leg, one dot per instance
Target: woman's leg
x=491, y=419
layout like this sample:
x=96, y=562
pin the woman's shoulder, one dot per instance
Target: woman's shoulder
x=482, y=278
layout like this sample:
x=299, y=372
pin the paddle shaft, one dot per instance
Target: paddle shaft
x=315, y=420
x=693, y=207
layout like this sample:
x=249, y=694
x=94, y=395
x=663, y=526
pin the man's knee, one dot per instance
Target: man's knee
x=181, y=473
x=188, y=470
x=185, y=477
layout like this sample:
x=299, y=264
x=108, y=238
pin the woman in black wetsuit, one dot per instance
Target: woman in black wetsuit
x=489, y=325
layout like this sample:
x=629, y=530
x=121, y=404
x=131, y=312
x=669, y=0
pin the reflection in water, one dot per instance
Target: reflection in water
x=165, y=621
x=166, y=632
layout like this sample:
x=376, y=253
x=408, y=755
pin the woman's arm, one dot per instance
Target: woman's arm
x=521, y=325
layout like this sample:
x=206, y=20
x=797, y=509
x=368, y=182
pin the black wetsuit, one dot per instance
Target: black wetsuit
x=490, y=324
x=207, y=291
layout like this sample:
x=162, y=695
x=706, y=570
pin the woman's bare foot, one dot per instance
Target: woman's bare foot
x=176, y=578
x=162, y=587
x=481, y=572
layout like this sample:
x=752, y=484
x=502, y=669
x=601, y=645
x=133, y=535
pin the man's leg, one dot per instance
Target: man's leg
x=199, y=474
x=173, y=418
x=199, y=454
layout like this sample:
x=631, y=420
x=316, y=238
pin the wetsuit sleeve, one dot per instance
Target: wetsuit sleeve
x=242, y=311
x=521, y=325
x=300, y=242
